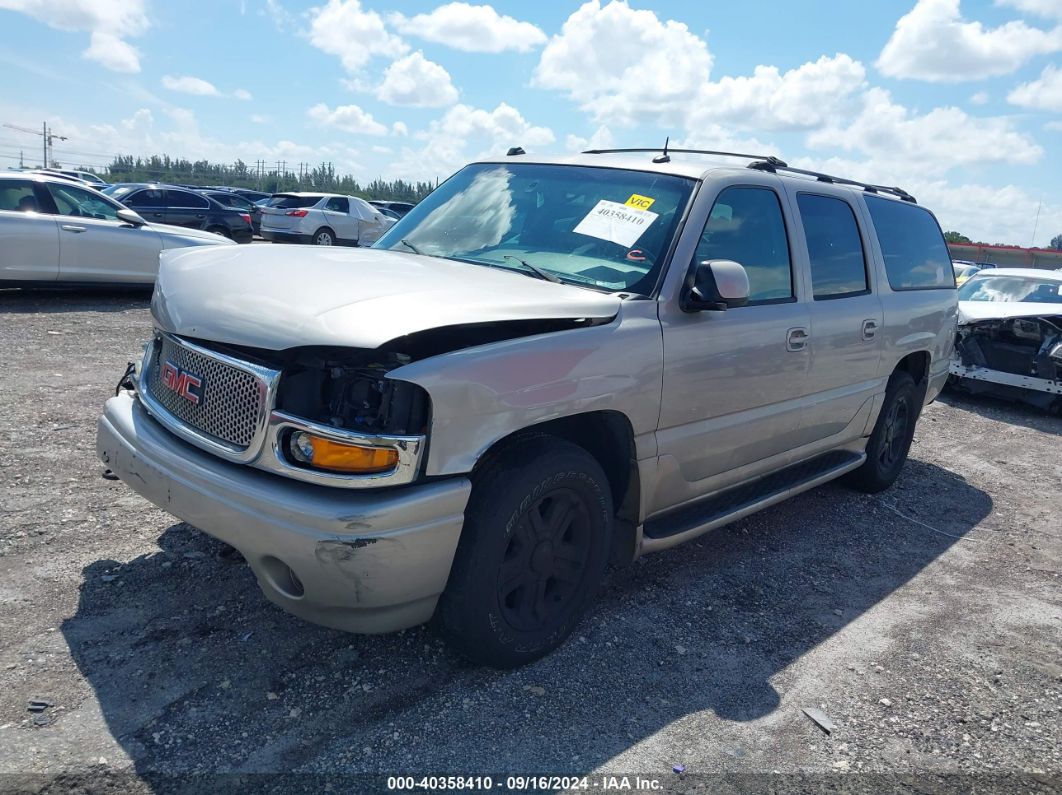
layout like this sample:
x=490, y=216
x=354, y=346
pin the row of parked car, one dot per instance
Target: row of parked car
x=62, y=226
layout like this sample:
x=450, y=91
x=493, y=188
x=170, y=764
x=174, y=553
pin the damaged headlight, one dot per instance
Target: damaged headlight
x=350, y=390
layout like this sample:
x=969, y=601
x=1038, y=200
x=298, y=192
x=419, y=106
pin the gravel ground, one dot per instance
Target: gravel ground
x=924, y=622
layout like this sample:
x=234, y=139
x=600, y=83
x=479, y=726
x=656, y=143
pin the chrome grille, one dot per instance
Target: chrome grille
x=232, y=401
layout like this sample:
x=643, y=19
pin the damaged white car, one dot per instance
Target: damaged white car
x=1010, y=336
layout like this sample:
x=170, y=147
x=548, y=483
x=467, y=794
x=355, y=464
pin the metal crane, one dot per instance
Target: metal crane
x=46, y=139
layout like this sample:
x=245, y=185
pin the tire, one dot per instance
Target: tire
x=511, y=598
x=891, y=438
x=220, y=230
x=324, y=237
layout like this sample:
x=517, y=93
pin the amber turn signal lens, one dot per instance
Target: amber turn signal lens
x=333, y=456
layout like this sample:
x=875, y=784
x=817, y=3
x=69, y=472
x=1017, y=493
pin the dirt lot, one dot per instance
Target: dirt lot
x=925, y=623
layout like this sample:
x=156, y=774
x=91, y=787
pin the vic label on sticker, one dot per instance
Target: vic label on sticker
x=616, y=222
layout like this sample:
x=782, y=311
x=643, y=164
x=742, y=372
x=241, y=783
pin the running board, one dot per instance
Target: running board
x=693, y=519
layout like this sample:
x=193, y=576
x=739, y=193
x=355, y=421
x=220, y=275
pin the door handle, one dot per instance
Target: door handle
x=870, y=328
x=73, y=228
x=796, y=339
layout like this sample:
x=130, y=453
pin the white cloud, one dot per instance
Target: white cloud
x=471, y=28
x=399, y=129
x=897, y=141
x=259, y=119
x=417, y=82
x=803, y=98
x=1041, y=8
x=932, y=42
x=627, y=67
x=980, y=98
x=601, y=138
x=108, y=22
x=186, y=84
x=990, y=214
x=348, y=118
x=196, y=86
x=623, y=65
x=465, y=133
x=1053, y=125
x=1042, y=94
x=112, y=52
x=343, y=29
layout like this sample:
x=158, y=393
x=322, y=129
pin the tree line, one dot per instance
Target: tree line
x=957, y=237
x=322, y=177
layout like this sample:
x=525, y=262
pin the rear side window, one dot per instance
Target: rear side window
x=148, y=197
x=182, y=198
x=338, y=204
x=17, y=195
x=746, y=225
x=287, y=202
x=916, y=256
x=835, y=249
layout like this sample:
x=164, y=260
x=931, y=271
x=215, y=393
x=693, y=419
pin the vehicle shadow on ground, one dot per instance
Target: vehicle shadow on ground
x=1010, y=411
x=74, y=299
x=195, y=672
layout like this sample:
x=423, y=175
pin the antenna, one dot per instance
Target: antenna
x=664, y=157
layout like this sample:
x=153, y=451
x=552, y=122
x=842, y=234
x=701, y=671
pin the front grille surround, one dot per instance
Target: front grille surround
x=237, y=397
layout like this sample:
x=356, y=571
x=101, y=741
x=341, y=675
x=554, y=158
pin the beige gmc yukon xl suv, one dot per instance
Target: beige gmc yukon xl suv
x=548, y=366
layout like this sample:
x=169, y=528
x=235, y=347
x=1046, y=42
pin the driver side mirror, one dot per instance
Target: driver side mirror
x=130, y=217
x=716, y=285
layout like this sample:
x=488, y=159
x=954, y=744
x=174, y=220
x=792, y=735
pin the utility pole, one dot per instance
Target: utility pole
x=46, y=140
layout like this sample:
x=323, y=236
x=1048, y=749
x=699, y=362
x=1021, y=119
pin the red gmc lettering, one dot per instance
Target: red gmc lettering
x=180, y=382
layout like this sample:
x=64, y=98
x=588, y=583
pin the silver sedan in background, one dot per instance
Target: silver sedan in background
x=53, y=231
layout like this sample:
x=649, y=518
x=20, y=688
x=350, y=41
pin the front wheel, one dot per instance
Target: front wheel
x=533, y=551
x=891, y=438
x=324, y=237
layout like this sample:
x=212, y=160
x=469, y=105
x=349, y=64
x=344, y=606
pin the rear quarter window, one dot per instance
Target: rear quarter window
x=916, y=256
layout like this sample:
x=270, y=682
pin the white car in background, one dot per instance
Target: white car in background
x=323, y=219
x=54, y=231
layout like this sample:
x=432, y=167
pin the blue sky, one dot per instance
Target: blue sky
x=958, y=101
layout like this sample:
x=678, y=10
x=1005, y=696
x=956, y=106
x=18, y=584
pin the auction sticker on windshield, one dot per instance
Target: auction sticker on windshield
x=616, y=223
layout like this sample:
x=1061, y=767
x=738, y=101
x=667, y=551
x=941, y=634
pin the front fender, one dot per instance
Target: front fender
x=482, y=394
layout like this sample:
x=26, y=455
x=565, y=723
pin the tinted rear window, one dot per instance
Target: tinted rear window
x=286, y=202
x=916, y=256
x=835, y=248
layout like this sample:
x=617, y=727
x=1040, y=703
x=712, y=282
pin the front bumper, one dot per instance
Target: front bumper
x=364, y=561
x=975, y=373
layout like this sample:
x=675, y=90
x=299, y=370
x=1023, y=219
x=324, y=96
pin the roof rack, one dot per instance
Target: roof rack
x=820, y=177
x=762, y=163
x=665, y=153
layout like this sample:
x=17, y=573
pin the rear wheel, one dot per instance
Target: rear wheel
x=220, y=230
x=536, y=540
x=891, y=439
x=324, y=237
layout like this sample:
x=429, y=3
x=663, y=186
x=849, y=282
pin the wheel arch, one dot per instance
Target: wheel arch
x=608, y=436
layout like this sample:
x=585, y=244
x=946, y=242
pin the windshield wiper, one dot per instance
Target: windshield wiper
x=410, y=246
x=549, y=277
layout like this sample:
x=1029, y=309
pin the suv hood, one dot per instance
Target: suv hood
x=278, y=297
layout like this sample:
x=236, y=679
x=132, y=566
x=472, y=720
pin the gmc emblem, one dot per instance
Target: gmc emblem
x=183, y=382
